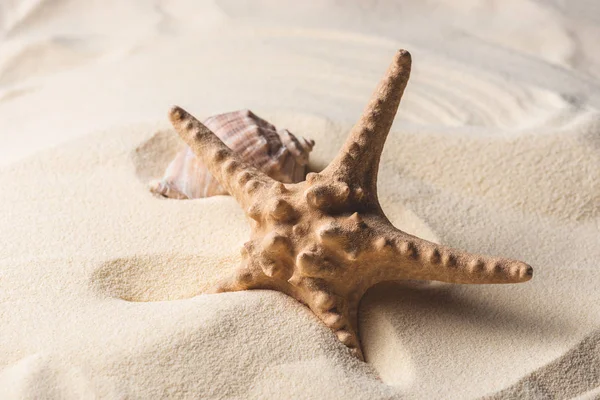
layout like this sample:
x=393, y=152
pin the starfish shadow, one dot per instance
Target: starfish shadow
x=393, y=314
x=152, y=156
x=460, y=303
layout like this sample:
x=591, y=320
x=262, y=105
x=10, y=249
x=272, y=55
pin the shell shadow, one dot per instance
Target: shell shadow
x=151, y=158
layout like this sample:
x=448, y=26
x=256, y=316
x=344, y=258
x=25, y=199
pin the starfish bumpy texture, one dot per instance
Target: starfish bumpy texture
x=326, y=240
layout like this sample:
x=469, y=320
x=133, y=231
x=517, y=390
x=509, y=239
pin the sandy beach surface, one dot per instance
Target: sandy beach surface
x=495, y=149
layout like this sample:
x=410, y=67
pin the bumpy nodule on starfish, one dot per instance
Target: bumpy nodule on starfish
x=326, y=240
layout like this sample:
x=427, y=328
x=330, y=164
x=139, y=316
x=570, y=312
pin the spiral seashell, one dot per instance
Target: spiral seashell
x=279, y=154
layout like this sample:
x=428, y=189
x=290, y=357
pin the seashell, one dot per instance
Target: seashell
x=279, y=154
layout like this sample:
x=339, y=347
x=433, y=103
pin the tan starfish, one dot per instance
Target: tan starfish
x=326, y=240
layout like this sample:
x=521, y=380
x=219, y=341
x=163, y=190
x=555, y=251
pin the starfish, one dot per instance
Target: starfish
x=326, y=240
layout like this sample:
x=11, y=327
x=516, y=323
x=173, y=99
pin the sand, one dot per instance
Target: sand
x=496, y=149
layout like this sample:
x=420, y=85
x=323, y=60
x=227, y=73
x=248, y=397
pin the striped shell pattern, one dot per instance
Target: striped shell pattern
x=279, y=154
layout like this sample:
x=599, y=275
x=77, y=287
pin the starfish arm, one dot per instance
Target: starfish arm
x=410, y=257
x=244, y=182
x=338, y=314
x=358, y=160
x=342, y=329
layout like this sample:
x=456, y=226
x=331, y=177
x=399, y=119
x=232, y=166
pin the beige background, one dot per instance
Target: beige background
x=496, y=149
